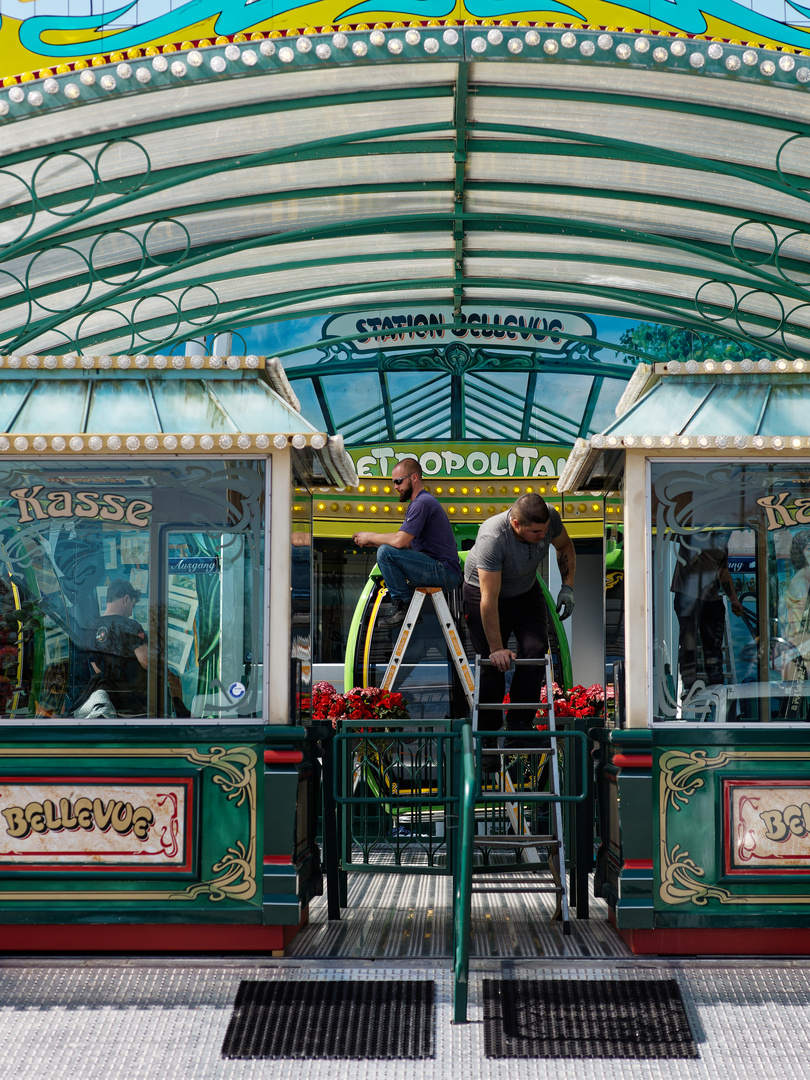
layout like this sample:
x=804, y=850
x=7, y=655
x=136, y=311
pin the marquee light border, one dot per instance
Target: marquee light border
x=133, y=73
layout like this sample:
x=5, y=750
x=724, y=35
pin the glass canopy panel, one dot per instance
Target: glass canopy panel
x=423, y=412
x=355, y=403
x=184, y=405
x=734, y=407
x=495, y=404
x=252, y=406
x=122, y=405
x=605, y=409
x=12, y=395
x=119, y=586
x=730, y=558
x=54, y=406
x=311, y=406
x=558, y=407
x=666, y=413
x=786, y=412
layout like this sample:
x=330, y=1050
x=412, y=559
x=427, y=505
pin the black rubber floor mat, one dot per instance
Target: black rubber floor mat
x=594, y=1018
x=331, y=1020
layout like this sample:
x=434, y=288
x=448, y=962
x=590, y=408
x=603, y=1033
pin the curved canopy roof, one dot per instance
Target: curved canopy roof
x=155, y=200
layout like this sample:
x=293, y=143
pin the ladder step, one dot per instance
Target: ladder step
x=519, y=889
x=504, y=706
x=515, y=842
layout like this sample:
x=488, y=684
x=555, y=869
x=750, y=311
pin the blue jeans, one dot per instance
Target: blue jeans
x=405, y=570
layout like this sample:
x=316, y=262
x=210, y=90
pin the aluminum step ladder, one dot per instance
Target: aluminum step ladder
x=544, y=878
x=451, y=636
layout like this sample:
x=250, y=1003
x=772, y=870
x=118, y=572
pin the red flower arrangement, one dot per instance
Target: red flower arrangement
x=361, y=703
x=579, y=700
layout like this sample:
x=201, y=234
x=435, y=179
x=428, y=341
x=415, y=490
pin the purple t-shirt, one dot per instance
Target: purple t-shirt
x=432, y=533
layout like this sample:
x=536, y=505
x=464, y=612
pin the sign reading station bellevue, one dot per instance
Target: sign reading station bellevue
x=548, y=331
x=96, y=825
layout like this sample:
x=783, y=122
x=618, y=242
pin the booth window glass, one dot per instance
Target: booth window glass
x=301, y=601
x=130, y=590
x=731, y=591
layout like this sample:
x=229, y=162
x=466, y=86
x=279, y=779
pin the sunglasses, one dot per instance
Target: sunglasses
x=401, y=480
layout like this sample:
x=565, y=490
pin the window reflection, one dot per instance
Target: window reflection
x=301, y=601
x=731, y=592
x=129, y=590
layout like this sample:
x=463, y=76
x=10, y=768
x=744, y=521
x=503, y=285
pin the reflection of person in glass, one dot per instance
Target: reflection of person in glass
x=797, y=606
x=700, y=573
x=118, y=653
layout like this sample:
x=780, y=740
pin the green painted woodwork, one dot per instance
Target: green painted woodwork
x=240, y=807
x=694, y=886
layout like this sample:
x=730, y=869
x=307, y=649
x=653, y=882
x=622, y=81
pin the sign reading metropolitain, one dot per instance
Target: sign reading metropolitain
x=448, y=459
x=68, y=30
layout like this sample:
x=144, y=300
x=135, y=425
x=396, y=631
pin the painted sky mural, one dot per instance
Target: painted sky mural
x=44, y=33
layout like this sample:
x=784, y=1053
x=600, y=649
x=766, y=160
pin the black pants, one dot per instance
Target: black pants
x=705, y=619
x=525, y=617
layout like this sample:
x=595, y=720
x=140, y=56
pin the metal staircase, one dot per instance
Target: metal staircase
x=541, y=864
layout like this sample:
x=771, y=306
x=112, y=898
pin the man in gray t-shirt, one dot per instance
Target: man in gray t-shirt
x=503, y=597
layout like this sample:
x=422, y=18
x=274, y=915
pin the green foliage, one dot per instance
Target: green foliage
x=659, y=342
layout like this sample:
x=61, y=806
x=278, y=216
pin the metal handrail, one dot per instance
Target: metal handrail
x=469, y=796
x=463, y=882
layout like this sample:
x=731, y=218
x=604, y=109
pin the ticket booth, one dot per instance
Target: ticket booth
x=158, y=772
x=704, y=787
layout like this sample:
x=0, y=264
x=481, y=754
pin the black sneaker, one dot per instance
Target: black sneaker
x=397, y=617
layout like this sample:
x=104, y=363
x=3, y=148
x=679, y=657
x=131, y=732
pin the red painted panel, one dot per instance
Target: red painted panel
x=632, y=761
x=283, y=757
x=718, y=941
x=148, y=938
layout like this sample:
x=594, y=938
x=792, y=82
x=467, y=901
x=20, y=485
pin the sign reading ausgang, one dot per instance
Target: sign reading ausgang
x=550, y=331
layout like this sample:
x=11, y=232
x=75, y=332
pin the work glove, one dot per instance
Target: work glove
x=565, y=601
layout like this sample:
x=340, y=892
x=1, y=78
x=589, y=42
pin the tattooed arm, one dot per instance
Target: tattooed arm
x=566, y=557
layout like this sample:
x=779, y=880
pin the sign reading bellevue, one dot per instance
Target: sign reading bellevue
x=89, y=825
x=767, y=826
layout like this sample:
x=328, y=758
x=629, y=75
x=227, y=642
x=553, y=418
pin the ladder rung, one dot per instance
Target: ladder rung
x=509, y=751
x=531, y=661
x=515, y=842
x=520, y=888
x=504, y=706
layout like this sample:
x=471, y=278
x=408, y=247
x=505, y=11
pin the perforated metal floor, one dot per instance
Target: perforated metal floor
x=400, y=916
x=166, y=1020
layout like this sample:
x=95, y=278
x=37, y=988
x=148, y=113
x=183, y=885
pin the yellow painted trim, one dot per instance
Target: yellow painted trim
x=584, y=530
x=367, y=646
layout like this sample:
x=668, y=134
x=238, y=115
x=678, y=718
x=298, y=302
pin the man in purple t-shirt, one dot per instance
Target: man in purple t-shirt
x=422, y=553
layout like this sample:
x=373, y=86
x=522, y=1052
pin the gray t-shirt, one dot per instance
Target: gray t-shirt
x=497, y=548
